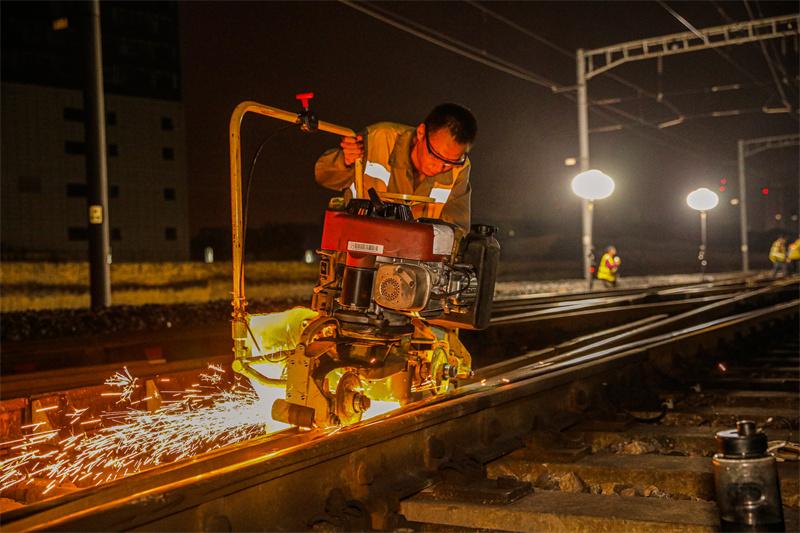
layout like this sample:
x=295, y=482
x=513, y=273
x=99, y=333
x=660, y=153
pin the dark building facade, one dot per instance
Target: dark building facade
x=43, y=146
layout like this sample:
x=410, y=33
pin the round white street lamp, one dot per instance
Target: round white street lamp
x=702, y=200
x=590, y=185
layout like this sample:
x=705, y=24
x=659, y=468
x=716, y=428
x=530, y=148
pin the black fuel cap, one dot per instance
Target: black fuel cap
x=484, y=229
x=744, y=441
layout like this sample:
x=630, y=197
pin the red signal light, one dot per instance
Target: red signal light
x=765, y=191
x=722, y=188
x=591, y=269
x=723, y=181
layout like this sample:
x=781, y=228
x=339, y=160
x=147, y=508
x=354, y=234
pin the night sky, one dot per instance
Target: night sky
x=363, y=70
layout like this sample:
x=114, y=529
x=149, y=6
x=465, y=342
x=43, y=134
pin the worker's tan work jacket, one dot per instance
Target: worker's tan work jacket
x=388, y=168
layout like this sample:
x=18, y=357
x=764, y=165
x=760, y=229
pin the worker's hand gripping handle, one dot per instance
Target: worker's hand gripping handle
x=308, y=122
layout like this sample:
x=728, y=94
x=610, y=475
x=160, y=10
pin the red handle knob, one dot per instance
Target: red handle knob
x=304, y=98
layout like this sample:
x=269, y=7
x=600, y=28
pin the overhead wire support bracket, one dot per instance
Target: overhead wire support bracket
x=755, y=146
x=603, y=59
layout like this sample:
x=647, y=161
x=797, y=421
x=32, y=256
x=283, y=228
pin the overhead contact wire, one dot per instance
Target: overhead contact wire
x=489, y=60
x=455, y=46
x=771, y=67
x=563, y=51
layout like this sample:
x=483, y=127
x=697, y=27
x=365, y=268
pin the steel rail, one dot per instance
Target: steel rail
x=714, y=307
x=501, y=305
x=173, y=345
x=602, y=306
x=24, y=385
x=258, y=484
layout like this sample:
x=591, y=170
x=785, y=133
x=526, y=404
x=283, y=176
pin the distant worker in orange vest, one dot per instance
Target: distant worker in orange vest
x=607, y=270
x=777, y=254
x=794, y=255
x=429, y=160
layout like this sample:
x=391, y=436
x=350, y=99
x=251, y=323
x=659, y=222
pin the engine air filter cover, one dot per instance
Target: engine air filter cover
x=402, y=287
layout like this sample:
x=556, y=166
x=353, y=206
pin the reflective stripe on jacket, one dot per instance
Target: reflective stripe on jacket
x=388, y=168
x=777, y=252
x=608, y=267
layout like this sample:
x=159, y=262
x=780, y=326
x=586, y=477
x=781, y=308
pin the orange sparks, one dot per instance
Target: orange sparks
x=195, y=421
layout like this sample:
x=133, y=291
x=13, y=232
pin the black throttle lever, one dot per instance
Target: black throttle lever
x=377, y=203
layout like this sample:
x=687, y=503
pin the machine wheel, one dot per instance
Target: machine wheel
x=350, y=399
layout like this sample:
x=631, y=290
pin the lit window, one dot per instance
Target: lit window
x=60, y=24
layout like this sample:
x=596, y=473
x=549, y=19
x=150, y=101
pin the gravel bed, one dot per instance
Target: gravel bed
x=61, y=323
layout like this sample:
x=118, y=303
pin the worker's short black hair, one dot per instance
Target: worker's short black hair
x=459, y=121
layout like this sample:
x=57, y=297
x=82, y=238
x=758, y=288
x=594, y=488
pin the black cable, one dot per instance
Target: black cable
x=246, y=204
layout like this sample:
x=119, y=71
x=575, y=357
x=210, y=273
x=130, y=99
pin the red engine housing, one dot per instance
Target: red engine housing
x=363, y=238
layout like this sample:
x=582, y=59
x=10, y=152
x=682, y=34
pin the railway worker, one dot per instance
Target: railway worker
x=607, y=269
x=794, y=255
x=777, y=254
x=428, y=160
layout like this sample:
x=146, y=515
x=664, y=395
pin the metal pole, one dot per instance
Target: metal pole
x=743, y=208
x=703, y=237
x=587, y=207
x=96, y=168
x=588, y=252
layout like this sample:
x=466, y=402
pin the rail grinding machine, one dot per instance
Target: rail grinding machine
x=393, y=291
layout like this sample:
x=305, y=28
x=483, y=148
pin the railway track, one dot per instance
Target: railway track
x=383, y=472
x=518, y=325
x=143, y=349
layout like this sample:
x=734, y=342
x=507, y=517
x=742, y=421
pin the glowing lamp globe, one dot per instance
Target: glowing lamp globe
x=702, y=199
x=592, y=185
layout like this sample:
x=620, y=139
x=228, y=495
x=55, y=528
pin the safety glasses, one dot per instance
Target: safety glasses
x=452, y=162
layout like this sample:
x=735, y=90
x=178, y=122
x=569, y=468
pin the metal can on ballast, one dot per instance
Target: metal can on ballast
x=746, y=481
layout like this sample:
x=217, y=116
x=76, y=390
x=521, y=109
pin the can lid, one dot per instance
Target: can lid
x=484, y=229
x=744, y=441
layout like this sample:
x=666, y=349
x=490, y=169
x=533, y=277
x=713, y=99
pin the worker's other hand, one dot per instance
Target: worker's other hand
x=352, y=148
